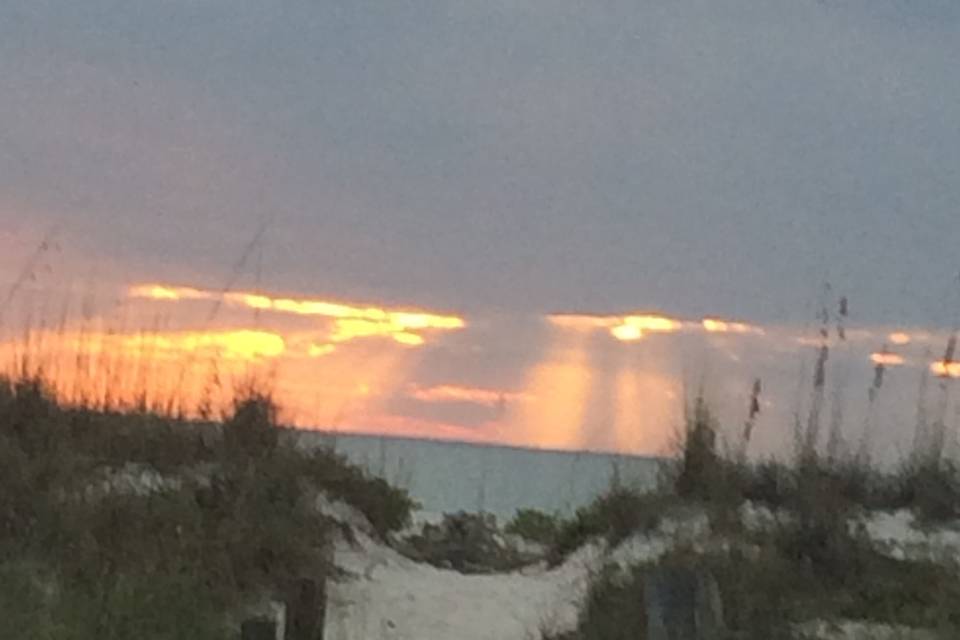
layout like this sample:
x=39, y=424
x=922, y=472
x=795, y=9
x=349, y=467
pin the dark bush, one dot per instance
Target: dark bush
x=787, y=579
x=535, y=525
x=931, y=490
x=149, y=607
x=250, y=432
x=162, y=443
x=702, y=473
x=386, y=507
x=466, y=542
x=614, y=516
x=614, y=608
x=769, y=483
x=30, y=416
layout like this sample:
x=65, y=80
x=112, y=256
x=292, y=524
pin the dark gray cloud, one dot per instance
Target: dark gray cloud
x=699, y=157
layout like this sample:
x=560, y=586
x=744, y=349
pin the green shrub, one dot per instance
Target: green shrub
x=535, y=525
x=251, y=435
x=386, y=507
x=466, y=542
x=811, y=565
x=147, y=607
x=702, y=473
x=806, y=574
x=931, y=490
x=766, y=590
x=24, y=605
x=30, y=415
x=769, y=483
x=250, y=432
x=165, y=563
x=165, y=444
x=614, y=516
x=614, y=607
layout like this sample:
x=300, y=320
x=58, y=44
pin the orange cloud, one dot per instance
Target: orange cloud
x=624, y=328
x=351, y=322
x=715, y=325
x=899, y=338
x=629, y=328
x=636, y=327
x=887, y=359
x=582, y=322
x=944, y=369
x=627, y=332
x=237, y=345
x=163, y=292
x=320, y=350
x=455, y=393
x=241, y=344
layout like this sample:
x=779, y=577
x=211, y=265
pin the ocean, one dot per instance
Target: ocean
x=448, y=476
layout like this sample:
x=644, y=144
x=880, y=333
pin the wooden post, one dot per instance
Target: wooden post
x=682, y=604
x=306, y=609
x=258, y=629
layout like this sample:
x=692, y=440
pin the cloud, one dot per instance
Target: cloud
x=887, y=359
x=350, y=321
x=945, y=369
x=451, y=393
x=459, y=155
x=714, y=159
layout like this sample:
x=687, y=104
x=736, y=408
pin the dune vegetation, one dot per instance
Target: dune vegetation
x=133, y=524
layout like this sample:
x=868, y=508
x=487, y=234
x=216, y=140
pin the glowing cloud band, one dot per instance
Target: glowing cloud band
x=351, y=322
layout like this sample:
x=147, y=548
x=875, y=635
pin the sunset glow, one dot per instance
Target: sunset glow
x=645, y=402
x=636, y=327
x=162, y=292
x=630, y=328
x=160, y=370
x=583, y=322
x=230, y=345
x=627, y=328
x=375, y=368
x=943, y=369
x=320, y=350
x=887, y=359
x=455, y=393
x=351, y=322
x=627, y=332
x=713, y=325
x=558, y=390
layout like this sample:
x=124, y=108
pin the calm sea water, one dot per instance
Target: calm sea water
x=453, y=476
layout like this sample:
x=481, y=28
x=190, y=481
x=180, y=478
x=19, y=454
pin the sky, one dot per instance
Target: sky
x=500, y=162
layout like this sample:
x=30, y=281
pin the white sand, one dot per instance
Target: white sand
x=392, y=597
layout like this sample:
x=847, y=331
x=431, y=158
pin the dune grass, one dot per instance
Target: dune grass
x=813, y=563
x=121, y=525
